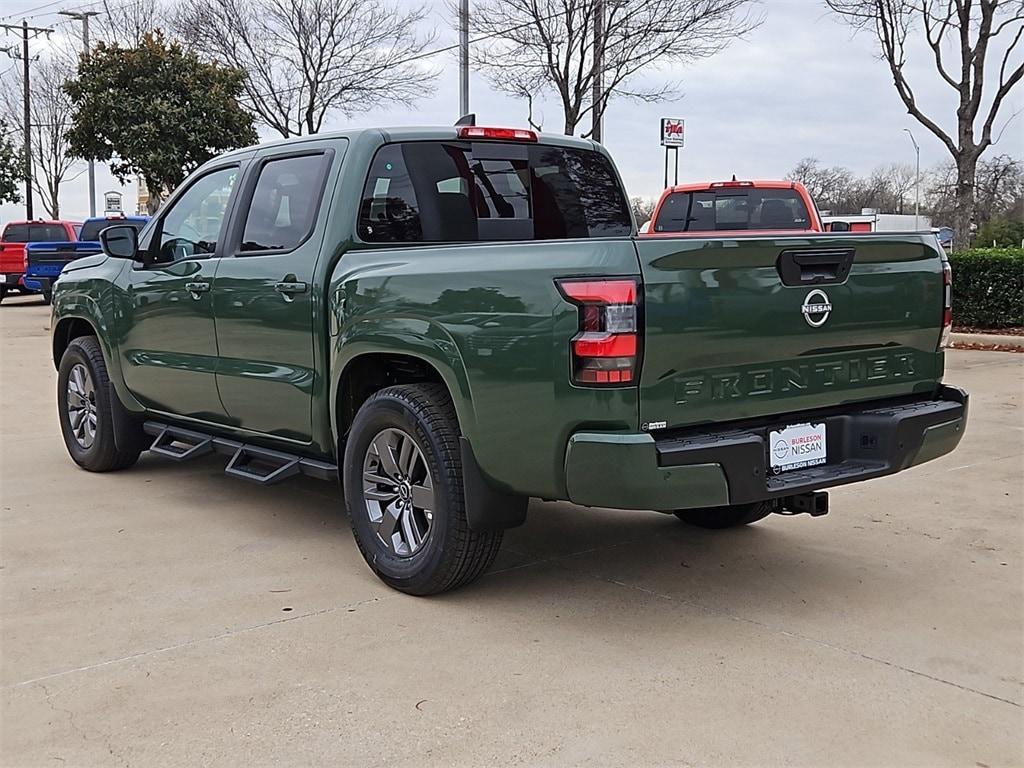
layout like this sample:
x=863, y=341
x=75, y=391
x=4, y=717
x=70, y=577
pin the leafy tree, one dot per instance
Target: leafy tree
x=155, y=111
x=12, y=169
x=1001, y=232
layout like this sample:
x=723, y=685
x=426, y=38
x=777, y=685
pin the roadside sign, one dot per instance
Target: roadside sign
x=112, y=202
x=672, y=131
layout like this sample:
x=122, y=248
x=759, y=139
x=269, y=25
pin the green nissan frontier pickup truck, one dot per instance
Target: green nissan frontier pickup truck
x=450, y=321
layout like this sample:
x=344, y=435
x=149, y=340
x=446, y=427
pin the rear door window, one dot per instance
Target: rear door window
x=285, y=203
x=732, y=209
x=477, y=191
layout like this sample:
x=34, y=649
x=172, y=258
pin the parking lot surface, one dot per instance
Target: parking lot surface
x=170, y=615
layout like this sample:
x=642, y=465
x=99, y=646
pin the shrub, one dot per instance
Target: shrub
x=988, y=287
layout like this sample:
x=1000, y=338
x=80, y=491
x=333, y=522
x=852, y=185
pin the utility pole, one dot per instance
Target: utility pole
x=917, y=183
x=598, y=93
x=84, y=18
x=27, y=95
x=463, y=57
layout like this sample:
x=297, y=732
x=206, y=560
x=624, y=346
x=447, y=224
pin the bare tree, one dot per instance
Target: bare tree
x=308, y=58
x=643, y=208
x=126, y=22
x=50, y=122
x=833, y=189
x=530, y=48
x=973, y=31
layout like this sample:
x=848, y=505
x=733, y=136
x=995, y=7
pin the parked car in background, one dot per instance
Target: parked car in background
x=45, y=261
x=12, y=248
x=453, y=320
x=734, y=206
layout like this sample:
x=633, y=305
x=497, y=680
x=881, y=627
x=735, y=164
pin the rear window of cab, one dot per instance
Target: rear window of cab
x=459, y=191
x=35, y=233
x=732, y=209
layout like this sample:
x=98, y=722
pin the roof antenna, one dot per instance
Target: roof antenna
x=734, y=177
x=469, y=119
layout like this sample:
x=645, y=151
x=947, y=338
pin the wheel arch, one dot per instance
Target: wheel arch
x=66, y=330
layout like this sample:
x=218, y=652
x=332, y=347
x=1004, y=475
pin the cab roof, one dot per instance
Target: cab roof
x=410, y=133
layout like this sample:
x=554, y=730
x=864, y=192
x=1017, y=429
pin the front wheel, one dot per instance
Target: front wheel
x=728, y=516
x=404, y=493
x=86, y=411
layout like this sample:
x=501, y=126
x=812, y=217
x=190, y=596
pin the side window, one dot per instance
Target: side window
x=389, y=211
x=284, y=203
x=191, y=226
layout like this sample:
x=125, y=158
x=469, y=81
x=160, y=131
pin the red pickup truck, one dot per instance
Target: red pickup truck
x=748, y=207
x=12, y=248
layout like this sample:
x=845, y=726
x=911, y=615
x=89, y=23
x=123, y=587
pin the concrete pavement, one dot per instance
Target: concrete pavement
x=169, y=615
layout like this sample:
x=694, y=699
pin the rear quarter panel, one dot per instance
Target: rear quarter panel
x=490, y=319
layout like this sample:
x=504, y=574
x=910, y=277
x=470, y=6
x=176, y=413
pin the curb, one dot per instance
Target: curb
x=988, y=339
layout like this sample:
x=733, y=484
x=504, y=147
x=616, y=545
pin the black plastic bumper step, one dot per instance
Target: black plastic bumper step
x=249, y=462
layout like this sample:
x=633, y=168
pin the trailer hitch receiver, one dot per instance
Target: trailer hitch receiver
x=814, y=503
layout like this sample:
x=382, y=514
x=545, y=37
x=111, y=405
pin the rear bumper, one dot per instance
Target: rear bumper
x=37, y=283
x=699, y=468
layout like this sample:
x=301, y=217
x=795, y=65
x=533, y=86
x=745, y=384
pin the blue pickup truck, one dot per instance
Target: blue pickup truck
x=45, y=261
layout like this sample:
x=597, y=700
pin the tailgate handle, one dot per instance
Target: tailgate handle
x=818, y=266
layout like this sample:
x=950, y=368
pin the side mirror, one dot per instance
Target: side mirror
x=839, y=226
x=121, y=242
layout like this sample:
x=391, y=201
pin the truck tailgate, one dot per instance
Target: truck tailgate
x=739, y=328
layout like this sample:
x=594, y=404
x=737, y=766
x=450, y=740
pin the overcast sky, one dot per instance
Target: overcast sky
x=800, y=85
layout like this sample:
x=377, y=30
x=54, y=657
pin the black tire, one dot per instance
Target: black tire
x=47, y=297
x=3, y=293
x=451, y=554
x=727, y=517
x=106, y=452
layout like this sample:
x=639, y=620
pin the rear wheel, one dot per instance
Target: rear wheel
x=404, y=492
x=728, y=516
x=86, y=411
x=47, y=295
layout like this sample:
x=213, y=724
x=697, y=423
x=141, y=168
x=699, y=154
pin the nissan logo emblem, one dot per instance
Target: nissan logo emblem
x=816, y=308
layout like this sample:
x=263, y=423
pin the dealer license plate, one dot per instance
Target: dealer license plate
x=796, y=447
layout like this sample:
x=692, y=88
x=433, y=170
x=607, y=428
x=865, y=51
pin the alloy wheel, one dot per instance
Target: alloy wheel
x=81, y=405
x=398, y=492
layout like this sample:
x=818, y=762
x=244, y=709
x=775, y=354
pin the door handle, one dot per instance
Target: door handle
x=290, y=287
x=196, y=289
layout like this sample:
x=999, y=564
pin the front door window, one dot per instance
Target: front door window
x=192, y=226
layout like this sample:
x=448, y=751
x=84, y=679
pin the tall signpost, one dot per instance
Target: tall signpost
x=673, y=133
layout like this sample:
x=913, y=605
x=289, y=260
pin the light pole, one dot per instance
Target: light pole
x=917, y=182
x=463, y=58
x=84, y=18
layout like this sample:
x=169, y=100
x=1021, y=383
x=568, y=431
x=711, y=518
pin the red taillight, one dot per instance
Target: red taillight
x=606, y=348
x=947, y=304
x=504, y=134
